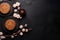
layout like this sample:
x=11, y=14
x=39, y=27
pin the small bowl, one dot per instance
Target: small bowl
x=9, y=31
x=11, y=9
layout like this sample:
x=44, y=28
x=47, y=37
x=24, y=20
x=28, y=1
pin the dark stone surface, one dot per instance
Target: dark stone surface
x=43, y=17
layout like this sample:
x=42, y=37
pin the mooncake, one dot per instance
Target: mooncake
x=10, y=24
x=5, y=7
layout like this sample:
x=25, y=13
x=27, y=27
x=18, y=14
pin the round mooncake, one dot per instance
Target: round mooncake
x=5, y=7
x=10, y=24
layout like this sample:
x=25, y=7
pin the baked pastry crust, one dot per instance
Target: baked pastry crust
x=10, y=24
x=5, y=8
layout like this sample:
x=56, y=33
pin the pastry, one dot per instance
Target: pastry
x=10, y=24
x=5, y=8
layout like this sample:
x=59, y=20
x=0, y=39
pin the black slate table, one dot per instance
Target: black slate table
x=43, y=19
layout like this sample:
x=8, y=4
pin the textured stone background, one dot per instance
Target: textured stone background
x=44, y=19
